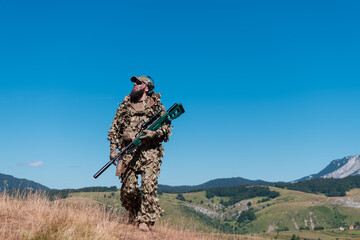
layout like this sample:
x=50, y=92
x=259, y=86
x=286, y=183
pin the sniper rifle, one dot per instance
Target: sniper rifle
x=154, y=123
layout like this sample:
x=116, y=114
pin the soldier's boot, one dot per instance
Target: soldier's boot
x=144, y=227
x=131, y=217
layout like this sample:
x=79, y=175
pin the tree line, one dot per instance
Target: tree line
x=238, y=193
x=64, y=193
x=331, y=187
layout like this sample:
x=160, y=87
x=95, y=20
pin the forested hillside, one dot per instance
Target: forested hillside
x=221, y=182
x=329, y=186
x=8, y=182
x=239, y=193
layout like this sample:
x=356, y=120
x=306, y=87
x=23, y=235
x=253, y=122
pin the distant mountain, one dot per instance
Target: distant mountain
x=221, y=182
x=340, y=168
x=9, y=182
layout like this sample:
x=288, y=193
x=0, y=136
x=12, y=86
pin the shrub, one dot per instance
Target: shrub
x=180, y=197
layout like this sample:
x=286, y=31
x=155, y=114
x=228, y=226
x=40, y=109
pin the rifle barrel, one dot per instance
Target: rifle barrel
x=106, y=166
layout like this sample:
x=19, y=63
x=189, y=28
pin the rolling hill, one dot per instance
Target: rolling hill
x=292, y=212
x=9, y=182
x=221, y=182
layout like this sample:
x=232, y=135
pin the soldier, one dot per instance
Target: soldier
x=137, y=107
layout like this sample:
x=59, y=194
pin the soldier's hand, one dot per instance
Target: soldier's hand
x=148, y=135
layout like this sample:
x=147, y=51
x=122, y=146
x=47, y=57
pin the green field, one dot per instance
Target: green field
x=331, y=234
x=293, y=212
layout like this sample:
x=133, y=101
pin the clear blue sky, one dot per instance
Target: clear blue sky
x=270, y=88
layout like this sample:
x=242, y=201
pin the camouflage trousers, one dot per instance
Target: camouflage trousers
x=141, y=203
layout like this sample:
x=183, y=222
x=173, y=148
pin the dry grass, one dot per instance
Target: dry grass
x=35, y=217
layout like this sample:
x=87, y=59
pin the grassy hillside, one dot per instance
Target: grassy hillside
x=8, y=182
x=332, y=234
x=35, y=217
x=175, y=214
x=109, y=199
x=292, y=212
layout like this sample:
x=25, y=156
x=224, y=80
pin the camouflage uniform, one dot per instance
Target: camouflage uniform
x=142, y=204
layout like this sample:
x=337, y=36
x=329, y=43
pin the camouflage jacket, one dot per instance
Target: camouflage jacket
x=128, y=120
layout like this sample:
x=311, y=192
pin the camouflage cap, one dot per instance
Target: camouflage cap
x=145, y=80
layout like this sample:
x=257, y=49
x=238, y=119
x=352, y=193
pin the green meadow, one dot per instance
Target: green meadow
x=305, y=215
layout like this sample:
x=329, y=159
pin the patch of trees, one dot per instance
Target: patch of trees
x=331, y=187
x=180, y=197
x=178, y=189
x=247, y=215
x=239, y=193
x=294, y=237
